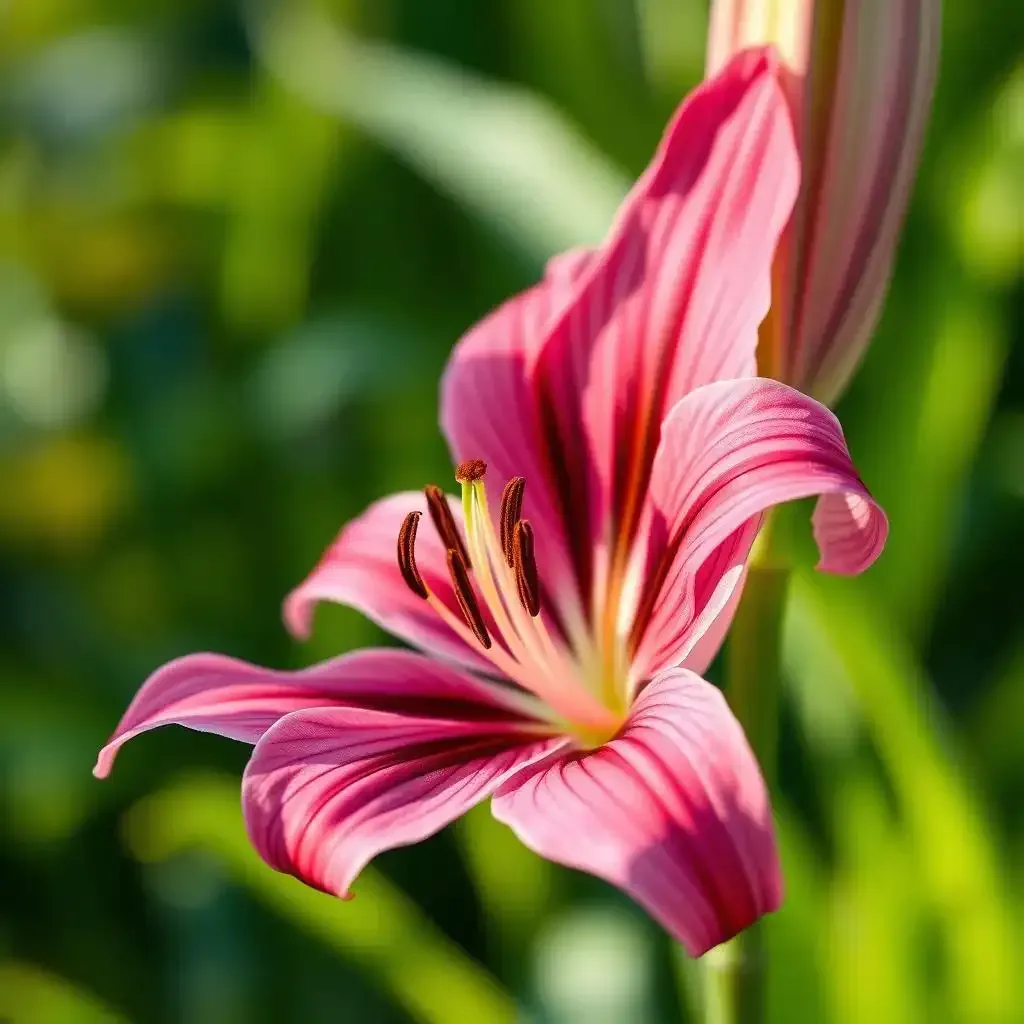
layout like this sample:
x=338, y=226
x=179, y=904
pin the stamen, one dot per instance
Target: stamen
x=407, y=555
x=444, y=522
x=470, y=470
x=511, y=513
x=467, y=598
x=525, y=566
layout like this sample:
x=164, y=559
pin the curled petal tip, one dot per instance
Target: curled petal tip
x=831, y=521
x=729, y=452
x=297, y=613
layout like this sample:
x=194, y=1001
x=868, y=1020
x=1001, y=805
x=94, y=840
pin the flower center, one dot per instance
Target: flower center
x=500, y=601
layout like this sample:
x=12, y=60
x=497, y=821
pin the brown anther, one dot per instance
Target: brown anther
x=467, y=598
x=407, y=555
x=525, y=566
x=511, y=512
x=441, y=513
x=470, y=470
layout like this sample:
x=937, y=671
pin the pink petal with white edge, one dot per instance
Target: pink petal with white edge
x=360, y=569
x=674, y=297
x=730, y=451
x=329, y=788
x=673, y=810
x=489, y=411
x=717, y=590
x=214, y=693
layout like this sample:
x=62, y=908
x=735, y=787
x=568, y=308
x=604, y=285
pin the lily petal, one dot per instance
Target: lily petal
x=673, y=810
x=360, y=569
x=729, y=451
x=583, y=368
x=489, y=410
x=328, y=789
x=674, y=297
x=214, y=693
x=717, y=589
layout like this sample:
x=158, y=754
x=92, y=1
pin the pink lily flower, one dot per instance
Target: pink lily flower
x=564, y=626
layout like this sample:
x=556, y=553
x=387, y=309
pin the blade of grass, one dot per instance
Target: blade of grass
x=954, y=849
x=922, y=467
x=516, y=888
x=381, y=930
x=995, y=726
x=875, y=925
x=500, y=151
x=29, y=995
x=796, y=950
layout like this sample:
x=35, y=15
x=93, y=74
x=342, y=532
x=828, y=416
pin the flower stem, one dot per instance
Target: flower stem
x=753, y=675
x=734, y=973
x=733, y=981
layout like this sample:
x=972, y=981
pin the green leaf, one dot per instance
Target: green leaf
x=876, y=911
x=30, y=995
x=500, y=151
x=794, y=936
x=515, y=886
x=920, y=471
x=955, y=855
x=381, y=930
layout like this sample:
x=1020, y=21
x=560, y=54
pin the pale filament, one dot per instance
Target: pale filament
x=529, y=626
x=505, y=583
x=497, y=655
x=539, y=665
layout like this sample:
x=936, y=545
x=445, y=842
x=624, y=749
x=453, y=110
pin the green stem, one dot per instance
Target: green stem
x=734, y=973
x=753, y=676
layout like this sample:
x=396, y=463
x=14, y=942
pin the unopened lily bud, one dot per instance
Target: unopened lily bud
x=859, y=77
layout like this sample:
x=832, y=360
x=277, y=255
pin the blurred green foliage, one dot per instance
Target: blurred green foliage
x=237, y=242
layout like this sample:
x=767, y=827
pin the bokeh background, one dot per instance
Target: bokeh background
x=237, y=242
